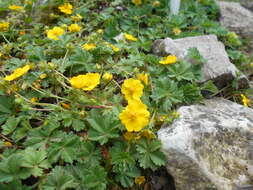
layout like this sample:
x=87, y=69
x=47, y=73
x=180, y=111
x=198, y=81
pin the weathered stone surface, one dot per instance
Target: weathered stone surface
x=210, y=147
x=247, y=4
x=218, y=66
x=236, y=18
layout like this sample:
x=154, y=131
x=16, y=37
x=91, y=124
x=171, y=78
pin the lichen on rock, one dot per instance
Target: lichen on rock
x=210, y=146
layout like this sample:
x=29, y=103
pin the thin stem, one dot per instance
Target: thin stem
x=6, y=138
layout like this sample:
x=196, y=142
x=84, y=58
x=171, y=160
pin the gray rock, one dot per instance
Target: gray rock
x=247, y=4
x=218, y=66
x=210, y=146
x=236, y=18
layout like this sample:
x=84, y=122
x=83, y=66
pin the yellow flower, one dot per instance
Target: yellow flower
x=1, y=54
x=100, y=31
x=245, y=100
x=156, y=3
x=55, y=33
x=18, y=73
x=132, y=89
x=42, y=76
x=34, y=99
x=131, y=136
x=52, y=65
x=148, y=134
x=15, y=7
x=136, y=2
x=107, y=76
x=135, y=116
x=7, y=144
x=4, y=26
x=86, y=82
x=143, y=77
x=66, y=8
x=177, y=31
x=88, y=46
x=168, y=60
x=74, y=28
x=76, y=18
x=139, y=180
x=114, y=48
x=130, y=37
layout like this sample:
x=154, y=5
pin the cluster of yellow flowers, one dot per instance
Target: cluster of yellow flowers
x=85, y=82
x=4, y=26
x=168, y=60
x=18, y=73
x=135, y=116
x=56, y=32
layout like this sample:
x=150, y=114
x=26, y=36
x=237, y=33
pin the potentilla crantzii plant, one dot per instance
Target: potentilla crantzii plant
x=82, y=97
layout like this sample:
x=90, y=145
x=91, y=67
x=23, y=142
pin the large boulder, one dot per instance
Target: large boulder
x=210, y=146
x=236, y=18
x=247, y=4
x=218, y=66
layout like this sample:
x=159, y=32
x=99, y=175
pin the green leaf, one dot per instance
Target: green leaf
x=191, y=93
x=88, y=153
x=59, y=179
x=89, y=177
x=124, y=164
x=121, y=156
x=6, y=104
x=79, y=61
x=103, y=127
x=150, y=155
x=180, y=71
x=11, y=169
x=78, y=125
x=66, y=149
x=42, y=137
x=35, y=53
x=210, y=87
x=94, y=178
x=22, y=130
x=17, y=185
x=126, y=175
x=195, y=57
x=167, y=93
x=10, y=125
x=35, y=161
